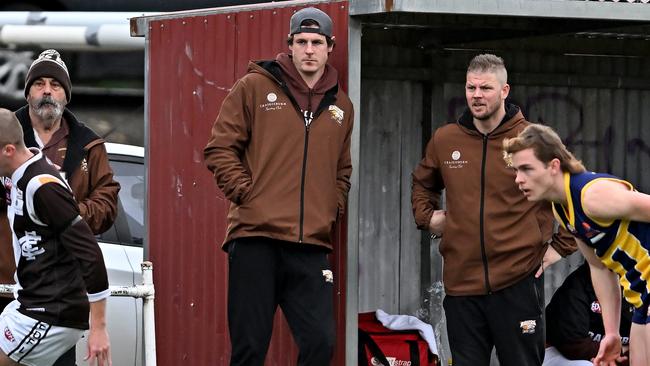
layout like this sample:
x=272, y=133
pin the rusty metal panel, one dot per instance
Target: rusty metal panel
x=192, y=62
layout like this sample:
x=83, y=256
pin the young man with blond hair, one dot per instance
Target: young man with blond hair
x=611, y=222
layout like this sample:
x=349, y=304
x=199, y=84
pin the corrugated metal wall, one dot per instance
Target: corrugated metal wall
x=192, y=63
x=595, y=103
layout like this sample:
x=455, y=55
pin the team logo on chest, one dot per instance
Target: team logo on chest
x=456, y=162
x=336, y=113
x=29, y=245
x=272, y=103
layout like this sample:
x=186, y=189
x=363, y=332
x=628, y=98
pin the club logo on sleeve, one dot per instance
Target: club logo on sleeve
x=271, y=97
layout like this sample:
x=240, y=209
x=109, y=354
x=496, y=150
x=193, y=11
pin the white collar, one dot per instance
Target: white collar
x=18, y=173
x=38, y=139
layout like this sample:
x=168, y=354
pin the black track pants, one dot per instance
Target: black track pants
x=265, y=273
x=510, y=319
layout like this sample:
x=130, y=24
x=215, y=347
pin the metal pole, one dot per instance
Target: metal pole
x=92, y=18
x=105, y=37
x=148, y=315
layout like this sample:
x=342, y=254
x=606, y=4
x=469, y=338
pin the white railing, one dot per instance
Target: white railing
x=73, y=31
x=621, y=1
x=146, y=292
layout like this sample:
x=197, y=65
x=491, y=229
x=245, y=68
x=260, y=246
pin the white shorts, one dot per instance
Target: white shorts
x=553, y=357
x=31, y=342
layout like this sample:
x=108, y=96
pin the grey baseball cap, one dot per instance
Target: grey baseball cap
x=317, y=15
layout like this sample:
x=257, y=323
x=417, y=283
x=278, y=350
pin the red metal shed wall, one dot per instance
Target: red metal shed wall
x=193, y=62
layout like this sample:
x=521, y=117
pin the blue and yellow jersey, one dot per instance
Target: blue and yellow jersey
x=622, y=245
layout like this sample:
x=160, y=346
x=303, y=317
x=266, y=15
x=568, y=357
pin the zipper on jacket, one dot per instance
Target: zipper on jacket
x=302, y=183
x=488, y=288
x=307, y=114
x=326, y=100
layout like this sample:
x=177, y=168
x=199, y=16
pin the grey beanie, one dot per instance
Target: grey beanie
x=49, y=64
x=317, y=15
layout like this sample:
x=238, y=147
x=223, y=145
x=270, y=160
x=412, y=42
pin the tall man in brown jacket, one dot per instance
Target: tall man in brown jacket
x=495, y=243
x=280, y=152
x=73, y=148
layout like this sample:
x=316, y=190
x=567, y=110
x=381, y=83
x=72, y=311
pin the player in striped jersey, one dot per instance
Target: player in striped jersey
x=60, y=270
x=611, y=222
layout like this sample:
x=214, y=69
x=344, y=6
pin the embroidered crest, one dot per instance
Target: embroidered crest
x=595, y=307
x=329, y=276
x=84, y=165
x=336, y=113
x=456, y=161
x=528, y=326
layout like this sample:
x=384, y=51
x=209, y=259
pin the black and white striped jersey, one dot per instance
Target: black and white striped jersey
x=59, y=266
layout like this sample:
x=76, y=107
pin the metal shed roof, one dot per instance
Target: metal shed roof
x=585, y=9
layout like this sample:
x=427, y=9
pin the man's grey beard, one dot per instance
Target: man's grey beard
x=49, y=109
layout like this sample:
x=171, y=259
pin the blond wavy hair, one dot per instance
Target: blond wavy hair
x=546, y=145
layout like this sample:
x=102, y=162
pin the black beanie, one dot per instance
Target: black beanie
x=50, y=65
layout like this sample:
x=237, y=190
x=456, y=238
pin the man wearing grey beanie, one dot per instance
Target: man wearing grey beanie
x=77, y=152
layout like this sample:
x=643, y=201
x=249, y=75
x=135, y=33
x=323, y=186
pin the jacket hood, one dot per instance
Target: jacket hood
x=512, y=118
x=268, y=68
x=83, y=136
x=284, y=72
x=327, y=81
